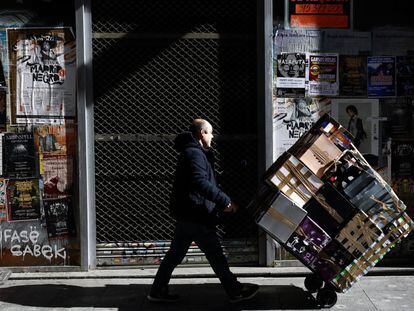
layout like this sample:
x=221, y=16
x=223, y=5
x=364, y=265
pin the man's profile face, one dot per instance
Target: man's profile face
x=207, y=136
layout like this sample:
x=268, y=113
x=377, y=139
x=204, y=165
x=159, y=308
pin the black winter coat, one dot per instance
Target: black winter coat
x=195, y=196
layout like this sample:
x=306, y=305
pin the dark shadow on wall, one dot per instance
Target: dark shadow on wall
x=133, y=297
x=138, y=90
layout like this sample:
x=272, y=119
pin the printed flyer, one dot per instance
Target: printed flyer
x=381, y=76
x=55, y=139
x=405, y=75
x=322, y=74
x=19, y=159
x=364, y=123
x=23, y=199
x=290, y=75
x=59, y=217
x=57, y=176
x=353, y=76
x=292, y=117
x=3, y=207
x=42, y=74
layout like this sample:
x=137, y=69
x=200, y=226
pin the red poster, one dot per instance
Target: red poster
x=320, y=13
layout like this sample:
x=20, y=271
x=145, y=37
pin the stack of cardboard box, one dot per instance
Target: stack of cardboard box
x=329, y=208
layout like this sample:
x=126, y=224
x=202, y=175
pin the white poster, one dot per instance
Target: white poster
x=361, y=118
x=43, y=74
x=392, y=43
x=346, y=42
x=292, y=117
x=297, y=41
x=322, y=74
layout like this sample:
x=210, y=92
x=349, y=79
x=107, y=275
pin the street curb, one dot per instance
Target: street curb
x=192, y=273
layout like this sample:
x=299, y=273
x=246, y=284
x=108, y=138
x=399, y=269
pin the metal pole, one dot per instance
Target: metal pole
x=86, y=167
x=265, y=109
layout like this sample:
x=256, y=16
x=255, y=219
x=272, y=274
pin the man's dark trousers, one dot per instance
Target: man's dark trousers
x=207, y=240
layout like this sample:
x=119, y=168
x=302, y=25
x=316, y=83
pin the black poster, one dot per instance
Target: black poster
x=3, y=113
x=19, y=159
x=398, y=113
x=352, y=76
x=2, y=77
x=405, y=76
x=59, y=217
x=290, y=75
x=23, y=199
x=402, y=161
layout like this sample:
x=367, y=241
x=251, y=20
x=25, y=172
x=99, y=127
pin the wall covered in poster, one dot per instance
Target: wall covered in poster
x=370, y=69
x=38, y=153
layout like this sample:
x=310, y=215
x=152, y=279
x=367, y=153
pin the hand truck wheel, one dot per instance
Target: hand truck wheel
x=313, y=283
x=326, y=298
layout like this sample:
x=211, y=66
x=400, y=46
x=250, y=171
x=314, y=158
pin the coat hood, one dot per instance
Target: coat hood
x=185, y=140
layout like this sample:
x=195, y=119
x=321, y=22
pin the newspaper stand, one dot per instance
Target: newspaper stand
x=330, y=209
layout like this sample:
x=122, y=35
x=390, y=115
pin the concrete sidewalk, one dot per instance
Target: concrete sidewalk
x=276, y=293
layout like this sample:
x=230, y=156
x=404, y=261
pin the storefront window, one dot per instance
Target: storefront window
x=355, y=61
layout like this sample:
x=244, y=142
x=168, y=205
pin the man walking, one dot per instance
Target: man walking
x=195, y=203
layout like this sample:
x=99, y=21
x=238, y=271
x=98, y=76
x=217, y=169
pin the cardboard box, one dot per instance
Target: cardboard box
x=295, y=180
x=320, y=155
x=281, y=219
x=307, y=241
x=359, y=234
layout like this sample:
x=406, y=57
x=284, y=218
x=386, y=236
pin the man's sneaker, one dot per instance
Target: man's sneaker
x=248, y=291
x=165, y=297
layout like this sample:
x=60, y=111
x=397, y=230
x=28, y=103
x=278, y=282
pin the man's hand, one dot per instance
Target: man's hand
x=232, y=207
